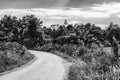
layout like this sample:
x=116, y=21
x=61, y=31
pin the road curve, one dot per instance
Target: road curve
x=46, y=67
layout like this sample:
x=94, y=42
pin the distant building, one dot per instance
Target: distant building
x=65, y=22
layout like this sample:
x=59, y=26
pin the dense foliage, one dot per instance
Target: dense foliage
x=29, y=31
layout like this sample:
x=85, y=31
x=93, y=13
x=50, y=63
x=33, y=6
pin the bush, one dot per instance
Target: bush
x=94, y=65
x=13, y=55
x=80, y=51
x=85, y=72
x=68, y=49
x=47, y=47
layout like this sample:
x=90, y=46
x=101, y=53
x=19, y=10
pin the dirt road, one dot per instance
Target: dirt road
x=46, y=67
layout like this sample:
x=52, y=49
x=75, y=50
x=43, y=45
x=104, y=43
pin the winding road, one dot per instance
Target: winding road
x=45, y=67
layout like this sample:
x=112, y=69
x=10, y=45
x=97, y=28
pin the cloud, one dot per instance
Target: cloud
x=112, y=8
x=98, y=13
x=61, y=3
x=70, y=13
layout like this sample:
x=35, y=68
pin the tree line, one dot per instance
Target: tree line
x=28, y=31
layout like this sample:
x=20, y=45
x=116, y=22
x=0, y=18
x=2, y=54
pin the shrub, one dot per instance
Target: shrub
x=68, y=49
x=94, y=65
x=85, y=72
x=80, y=51
x=47, y=47
x=13, y=55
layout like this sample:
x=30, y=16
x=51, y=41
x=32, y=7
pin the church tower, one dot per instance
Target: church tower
x=65, y=22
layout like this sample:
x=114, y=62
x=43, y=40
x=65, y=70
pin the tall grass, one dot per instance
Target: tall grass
x=96, y=64
x=13, y=55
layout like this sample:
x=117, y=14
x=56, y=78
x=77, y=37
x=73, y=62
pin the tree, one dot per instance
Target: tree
x=115, y=46
x=113, y=30
x=31, y=33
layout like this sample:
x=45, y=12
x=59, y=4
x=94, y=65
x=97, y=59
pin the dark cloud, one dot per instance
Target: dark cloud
x=87, y=3
x=26, y=4
x=49, y=3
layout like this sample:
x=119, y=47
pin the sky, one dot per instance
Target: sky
x=100, y=12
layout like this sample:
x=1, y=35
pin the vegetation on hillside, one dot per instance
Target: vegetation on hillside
x=82, y=42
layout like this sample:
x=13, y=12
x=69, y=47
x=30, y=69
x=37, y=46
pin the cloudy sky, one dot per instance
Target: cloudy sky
x=100, y=12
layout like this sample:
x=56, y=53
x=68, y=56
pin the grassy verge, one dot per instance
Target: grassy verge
x=13, y=55
x=64, y=56
x=95, y=67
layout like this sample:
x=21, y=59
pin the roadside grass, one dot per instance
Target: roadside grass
x=13, y=55
x=102, y=66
